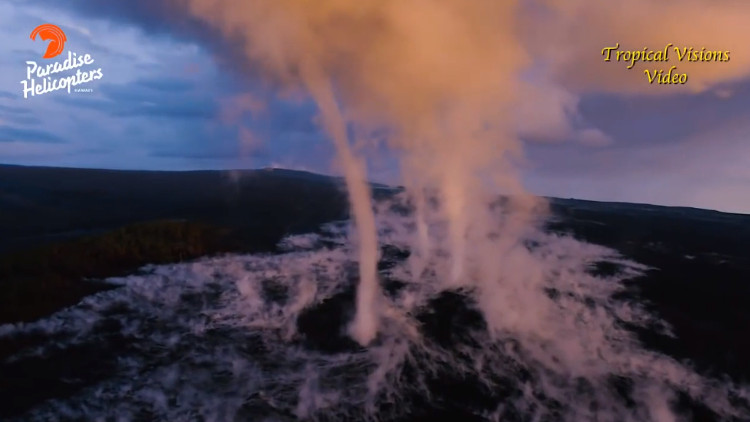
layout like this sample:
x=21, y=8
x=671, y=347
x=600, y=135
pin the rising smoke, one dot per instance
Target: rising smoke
x=439, y=76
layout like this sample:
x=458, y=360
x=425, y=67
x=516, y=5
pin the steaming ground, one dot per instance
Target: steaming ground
x=264, y=338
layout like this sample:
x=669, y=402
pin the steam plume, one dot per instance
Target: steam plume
x=438, y=75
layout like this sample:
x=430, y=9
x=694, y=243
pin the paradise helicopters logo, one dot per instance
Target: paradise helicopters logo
x=54, y=76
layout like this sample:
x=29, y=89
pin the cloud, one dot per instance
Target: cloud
x=552, y=33
x=565, y=40
x=569, y=36
x=643, y=120
x=570, y=98
x=22, y=119
x=593, y=138
x=14, y=110
x=167, y=84
x=148, y=98
x=160, y=20
x=167, y=109
x=16, y=134
x=545, y=112
x=706, y=169
x=205, y=154
x=25, y=151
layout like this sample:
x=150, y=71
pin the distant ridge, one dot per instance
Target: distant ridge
x=46, y=203
x=282, y=172
x=15, y=170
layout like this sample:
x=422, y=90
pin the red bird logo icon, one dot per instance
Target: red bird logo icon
x=54, y=35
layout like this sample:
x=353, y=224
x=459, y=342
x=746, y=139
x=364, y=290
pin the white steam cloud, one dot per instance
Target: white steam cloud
x=439, y=76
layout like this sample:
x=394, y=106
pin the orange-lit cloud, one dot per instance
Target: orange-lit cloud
x=441, y=76
x=569, y=37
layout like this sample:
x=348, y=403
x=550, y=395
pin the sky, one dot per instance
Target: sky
x=175, y=95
